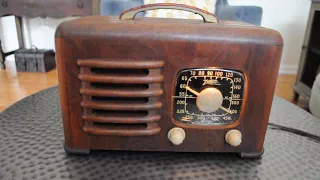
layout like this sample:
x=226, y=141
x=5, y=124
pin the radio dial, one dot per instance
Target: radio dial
x=209, y=100
x=208, y=97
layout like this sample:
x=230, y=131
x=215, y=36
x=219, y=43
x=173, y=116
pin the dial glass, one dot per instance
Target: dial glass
x=208, y=97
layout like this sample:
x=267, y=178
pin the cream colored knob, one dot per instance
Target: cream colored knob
x=209, y=100
x=234, y=137
x=176, y=135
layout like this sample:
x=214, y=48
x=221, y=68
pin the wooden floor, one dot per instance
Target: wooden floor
x=15, y=86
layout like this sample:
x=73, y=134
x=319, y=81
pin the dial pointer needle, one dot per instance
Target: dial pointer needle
x=226, y=110
x=193, y=91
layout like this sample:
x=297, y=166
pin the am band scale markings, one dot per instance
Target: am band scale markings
x=194, y=83
x=216, y=77
x=192, y=97
x=227, y=110
x=189, y=79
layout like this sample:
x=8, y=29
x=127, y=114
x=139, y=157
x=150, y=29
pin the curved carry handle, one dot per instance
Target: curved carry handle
x=207, y=17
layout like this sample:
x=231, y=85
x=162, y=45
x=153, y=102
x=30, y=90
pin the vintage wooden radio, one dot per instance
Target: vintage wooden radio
x=152, y=84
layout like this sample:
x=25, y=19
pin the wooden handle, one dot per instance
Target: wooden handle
x=207, y=17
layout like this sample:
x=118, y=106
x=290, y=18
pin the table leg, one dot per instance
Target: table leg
x=2, y=57
x=295, y=97
x=96, y=7
x=18, y=20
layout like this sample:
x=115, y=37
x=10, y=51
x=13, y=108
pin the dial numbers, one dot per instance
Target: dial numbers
x=205, y=87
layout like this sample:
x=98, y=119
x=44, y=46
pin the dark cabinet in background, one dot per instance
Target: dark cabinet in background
x=309, y=65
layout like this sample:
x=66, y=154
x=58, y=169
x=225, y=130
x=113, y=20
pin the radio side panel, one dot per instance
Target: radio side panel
x=70, y=97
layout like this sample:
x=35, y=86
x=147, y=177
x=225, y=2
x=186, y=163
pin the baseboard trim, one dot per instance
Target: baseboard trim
x=288, y=69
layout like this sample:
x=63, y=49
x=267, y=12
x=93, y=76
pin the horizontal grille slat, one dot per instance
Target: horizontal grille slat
x=121, y=93
x=123, y=64
x=122, y=132
x=121, y=79
x=128, y=100
x=110, y=86
x=116, y=119
x=121, y=106
x=125, y=114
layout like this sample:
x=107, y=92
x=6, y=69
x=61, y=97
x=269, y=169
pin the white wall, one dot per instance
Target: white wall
x=7, y=29
x=36, y=31
x=40, y=32
x=289, y=17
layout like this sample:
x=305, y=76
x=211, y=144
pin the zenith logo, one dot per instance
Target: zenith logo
x=210, y=82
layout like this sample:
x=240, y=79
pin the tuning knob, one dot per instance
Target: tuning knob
x=176, y=135
x=209, y=100
x=234, y=137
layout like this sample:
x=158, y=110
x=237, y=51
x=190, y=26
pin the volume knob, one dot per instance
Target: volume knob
x=234, y=137
x=209, y=100
x=176, y=135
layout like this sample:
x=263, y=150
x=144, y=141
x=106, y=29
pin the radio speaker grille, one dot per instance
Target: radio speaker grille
x=121, y=97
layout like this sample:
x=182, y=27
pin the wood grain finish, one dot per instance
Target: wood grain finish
x=125, y=64
x=122, y=93
x=124, y=120
x=122, y=107
x=180, y=44
x=122, y=132
x=120, y=79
